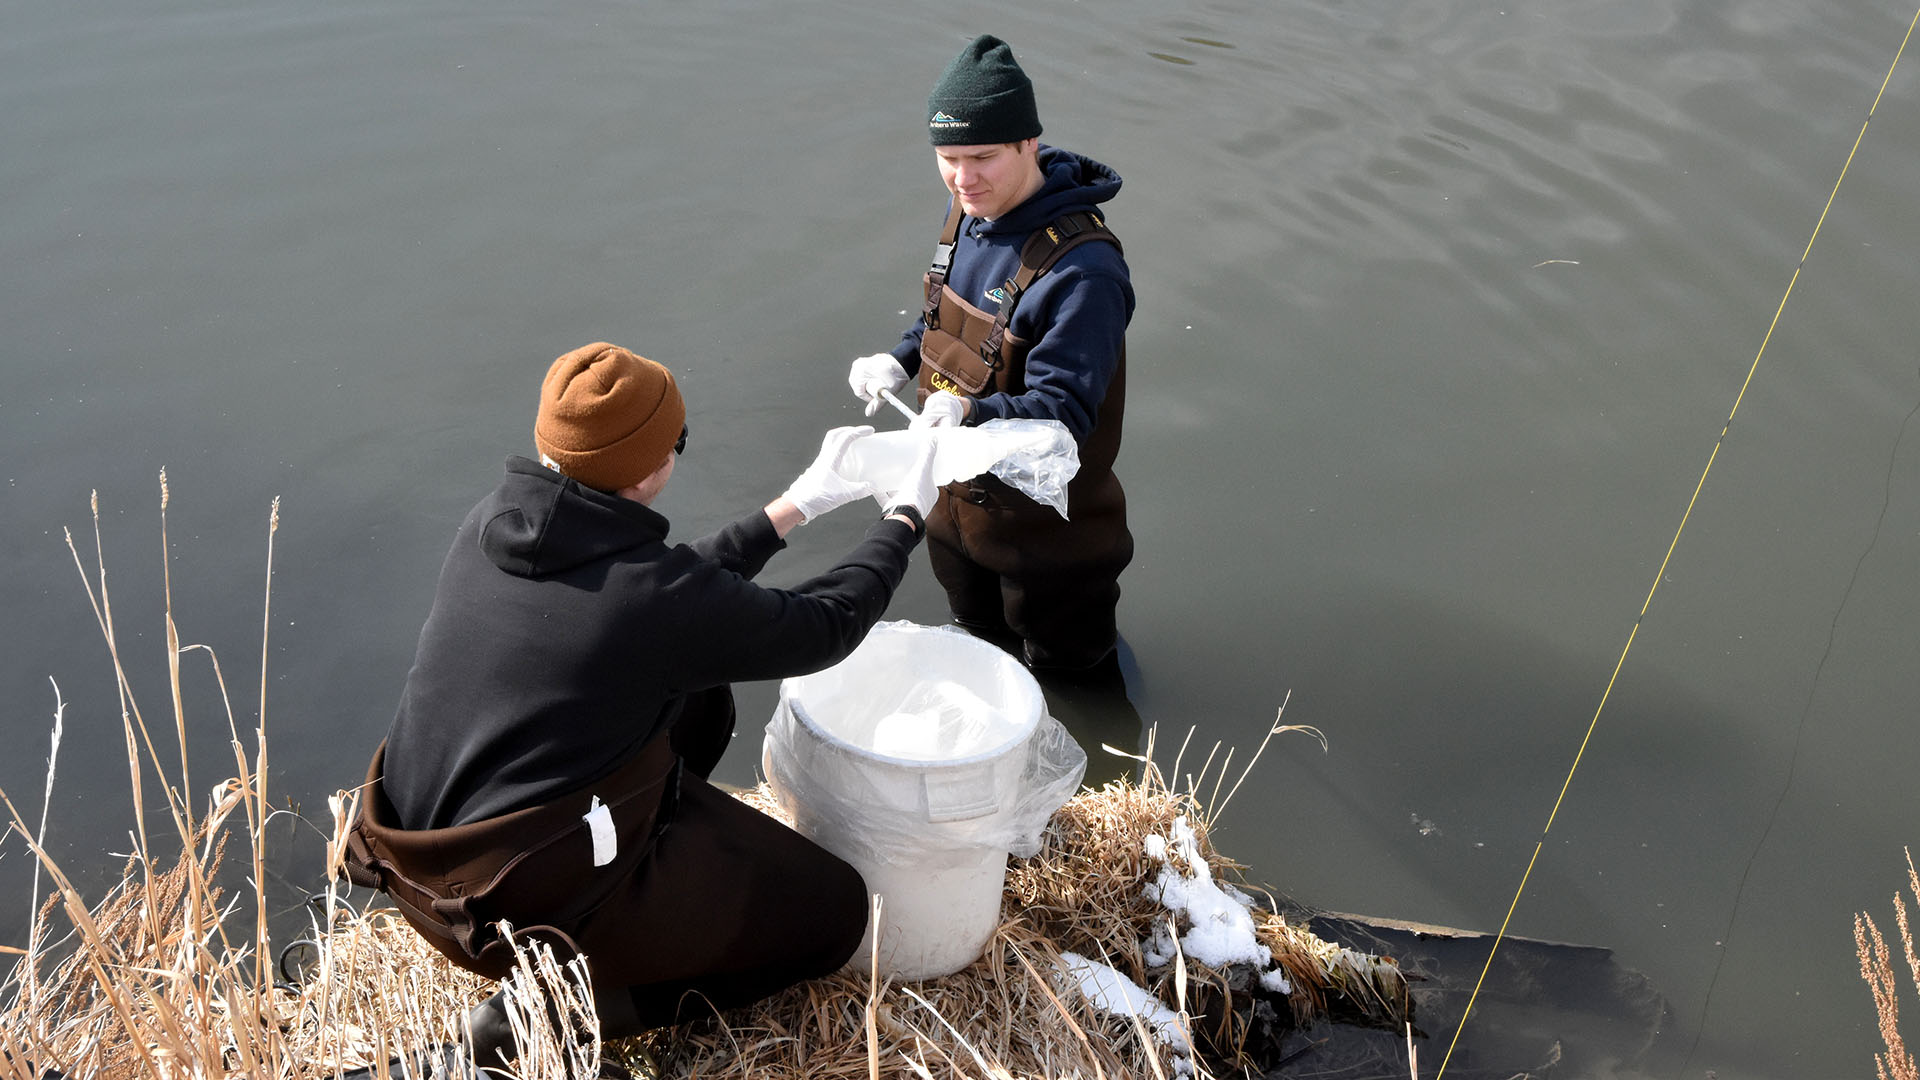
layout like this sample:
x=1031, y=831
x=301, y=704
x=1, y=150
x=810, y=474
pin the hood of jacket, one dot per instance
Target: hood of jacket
x=1068, y=182
x=539, y=523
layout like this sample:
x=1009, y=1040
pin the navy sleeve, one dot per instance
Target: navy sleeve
x=1077, y=317
x=908, y=350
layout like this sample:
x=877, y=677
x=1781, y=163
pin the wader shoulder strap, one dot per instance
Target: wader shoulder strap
x=936, y=278
x=1045, y=247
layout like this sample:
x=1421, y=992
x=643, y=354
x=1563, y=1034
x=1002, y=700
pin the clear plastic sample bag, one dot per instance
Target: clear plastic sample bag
x=1034, y=457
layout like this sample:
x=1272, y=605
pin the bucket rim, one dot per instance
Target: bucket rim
x=1023, y=733
x=800, y=713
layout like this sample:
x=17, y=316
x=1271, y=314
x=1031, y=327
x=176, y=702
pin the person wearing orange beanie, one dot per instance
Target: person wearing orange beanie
x=608, y=418
x=548, y=762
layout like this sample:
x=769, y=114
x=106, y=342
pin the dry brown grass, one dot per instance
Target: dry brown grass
x=168, y=976
x=1876, y=967
x=1011, y=1014
x=171, y=976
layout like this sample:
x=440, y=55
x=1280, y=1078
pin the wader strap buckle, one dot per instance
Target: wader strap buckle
x=930, y=308
x=936, y=280
x=942, y=263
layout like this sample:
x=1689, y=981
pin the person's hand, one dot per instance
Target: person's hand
x=871, y=374
x=919, y=489
x=821, y=487
x=941, y=409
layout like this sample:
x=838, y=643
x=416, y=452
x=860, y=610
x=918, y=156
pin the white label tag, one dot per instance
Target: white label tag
x=599, y=821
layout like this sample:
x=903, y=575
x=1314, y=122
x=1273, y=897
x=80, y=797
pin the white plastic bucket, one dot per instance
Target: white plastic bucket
x=902, y=759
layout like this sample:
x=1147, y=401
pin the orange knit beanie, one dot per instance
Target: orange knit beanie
x=608, y=418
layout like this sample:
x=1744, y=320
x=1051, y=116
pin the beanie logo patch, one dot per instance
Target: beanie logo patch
x=942, y=120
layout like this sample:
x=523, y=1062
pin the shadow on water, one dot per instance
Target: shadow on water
x=1097, y=710
x=1543, y=1009
x=1443, y=768
x=1094, y=705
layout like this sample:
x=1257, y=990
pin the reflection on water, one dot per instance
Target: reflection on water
x=1095, y=707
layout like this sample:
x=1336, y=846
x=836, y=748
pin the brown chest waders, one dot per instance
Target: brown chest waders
x=533, y=867
x=1005, y=560
x=707, y=904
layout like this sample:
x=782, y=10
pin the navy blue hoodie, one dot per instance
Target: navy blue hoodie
x=1076, y=314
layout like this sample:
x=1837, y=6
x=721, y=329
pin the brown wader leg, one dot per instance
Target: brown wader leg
x=1066, y=618
x=1092, y=704
x=730, y=907
x=1012, y=567
x=973, y=595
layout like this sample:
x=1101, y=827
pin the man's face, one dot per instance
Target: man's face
x=992, y=178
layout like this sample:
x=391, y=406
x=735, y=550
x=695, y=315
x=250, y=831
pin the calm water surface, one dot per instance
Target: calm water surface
x=1443, y=307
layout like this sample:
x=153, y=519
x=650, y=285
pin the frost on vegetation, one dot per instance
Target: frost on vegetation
x=1218, y=918
x=1113, y=993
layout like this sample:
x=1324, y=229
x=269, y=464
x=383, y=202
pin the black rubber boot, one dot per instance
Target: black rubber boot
x=492, y=1034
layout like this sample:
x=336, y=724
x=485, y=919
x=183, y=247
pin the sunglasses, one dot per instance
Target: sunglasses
x=680, y=445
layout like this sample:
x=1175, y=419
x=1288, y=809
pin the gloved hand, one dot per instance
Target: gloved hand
x=941, y=409
x=920, y=489
x=871, y=374
x=821, y=487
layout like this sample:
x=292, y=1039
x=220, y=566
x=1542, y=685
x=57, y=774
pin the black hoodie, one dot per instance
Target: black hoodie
x=566, y=632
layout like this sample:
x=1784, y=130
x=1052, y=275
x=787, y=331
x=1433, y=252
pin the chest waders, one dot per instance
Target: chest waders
x=532, y=867
x=1007, y=562
x=707, y=903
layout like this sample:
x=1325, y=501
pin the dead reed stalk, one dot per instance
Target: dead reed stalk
x=165, y=977
x=1876, y=967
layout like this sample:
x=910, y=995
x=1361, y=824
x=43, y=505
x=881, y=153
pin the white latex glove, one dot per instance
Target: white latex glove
x=941, y=409
x=871, y=374
x=919, y=489
x=821, y=488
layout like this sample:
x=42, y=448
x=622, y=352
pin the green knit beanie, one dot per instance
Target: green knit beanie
x=983, y=97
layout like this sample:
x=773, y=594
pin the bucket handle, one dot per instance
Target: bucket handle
x=959, y=794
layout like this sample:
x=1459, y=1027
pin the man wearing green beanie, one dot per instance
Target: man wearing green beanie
x=1024, y=314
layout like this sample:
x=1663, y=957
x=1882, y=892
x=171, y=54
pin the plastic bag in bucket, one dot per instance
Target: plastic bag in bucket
x=923, y=759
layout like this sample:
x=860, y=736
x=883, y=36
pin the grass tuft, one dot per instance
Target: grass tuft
x=1876, y=967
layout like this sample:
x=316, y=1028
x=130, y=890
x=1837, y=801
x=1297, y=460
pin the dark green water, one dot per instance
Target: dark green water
x=1442, y=310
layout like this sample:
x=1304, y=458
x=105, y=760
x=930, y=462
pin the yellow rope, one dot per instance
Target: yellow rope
x=1661, y=573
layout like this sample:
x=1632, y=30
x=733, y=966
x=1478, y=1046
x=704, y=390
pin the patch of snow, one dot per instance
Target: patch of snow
x=1158, y=950
x=1220, y=926
x=1111, y=992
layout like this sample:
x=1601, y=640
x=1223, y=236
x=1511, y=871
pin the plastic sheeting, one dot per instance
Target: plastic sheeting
x=1035, y=457
x=924, y=741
